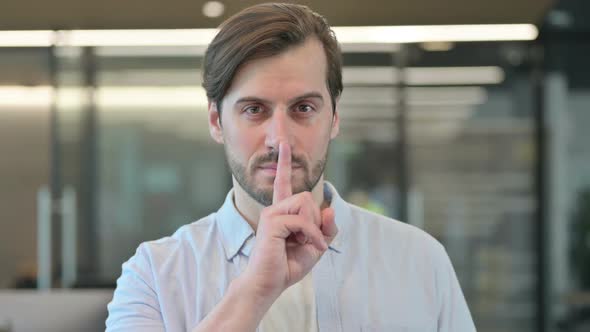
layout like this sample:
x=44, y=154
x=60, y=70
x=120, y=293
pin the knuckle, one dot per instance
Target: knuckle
x=305, y=198
x=299, y=198
x=265, y=213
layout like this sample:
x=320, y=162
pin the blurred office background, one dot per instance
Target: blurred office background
x=482, y=142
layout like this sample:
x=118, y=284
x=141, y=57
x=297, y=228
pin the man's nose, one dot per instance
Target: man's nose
x=278, y=129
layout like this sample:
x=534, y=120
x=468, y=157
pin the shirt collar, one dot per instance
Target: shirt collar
x=237, y=235
x=235, y=230
x=342, y=216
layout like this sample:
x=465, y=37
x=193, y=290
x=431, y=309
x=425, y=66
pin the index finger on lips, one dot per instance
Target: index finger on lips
x=282, y=184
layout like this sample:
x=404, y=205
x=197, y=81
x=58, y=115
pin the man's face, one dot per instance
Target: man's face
x=283, y=98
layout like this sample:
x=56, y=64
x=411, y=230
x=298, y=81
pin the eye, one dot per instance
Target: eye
x=304, y=108
x=253, y=110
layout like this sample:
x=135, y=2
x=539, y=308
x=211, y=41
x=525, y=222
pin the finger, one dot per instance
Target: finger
x=301, y=238
x=310, y=212
x=299, y=204
x=309, y=209
x=296, y=239
x=314, y=210
x=295, y=224
x=282, y=185
x=306, y=212
x=329, y=229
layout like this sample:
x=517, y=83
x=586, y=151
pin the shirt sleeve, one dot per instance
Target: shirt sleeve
x=135, y=305
x=454, y=314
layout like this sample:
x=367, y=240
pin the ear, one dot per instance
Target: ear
x=335, y=120
x=215, y=129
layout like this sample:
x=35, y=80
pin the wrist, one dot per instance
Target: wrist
x=245, y=288
x=240, y=309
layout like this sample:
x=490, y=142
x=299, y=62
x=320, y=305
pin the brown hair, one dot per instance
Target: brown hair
x=262, y=31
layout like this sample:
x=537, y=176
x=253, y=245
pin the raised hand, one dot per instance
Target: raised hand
x=291, y=237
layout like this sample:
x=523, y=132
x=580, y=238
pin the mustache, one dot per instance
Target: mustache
x=273, y=156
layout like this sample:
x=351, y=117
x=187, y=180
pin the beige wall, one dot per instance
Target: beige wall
x=24, y=167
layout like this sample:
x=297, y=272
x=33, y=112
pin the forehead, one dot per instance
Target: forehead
x=298, y=70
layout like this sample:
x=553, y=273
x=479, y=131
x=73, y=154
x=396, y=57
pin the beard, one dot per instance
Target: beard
x=245, y=177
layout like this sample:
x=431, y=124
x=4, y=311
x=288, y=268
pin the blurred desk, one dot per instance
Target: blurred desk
x=55, y=310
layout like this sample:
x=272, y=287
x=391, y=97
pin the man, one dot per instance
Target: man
x=284, y=252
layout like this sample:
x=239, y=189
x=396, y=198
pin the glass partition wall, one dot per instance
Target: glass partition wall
x=473, y=155
x=441, y=136
x=24, y=160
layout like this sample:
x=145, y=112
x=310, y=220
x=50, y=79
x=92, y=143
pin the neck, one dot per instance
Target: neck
x=250, y=209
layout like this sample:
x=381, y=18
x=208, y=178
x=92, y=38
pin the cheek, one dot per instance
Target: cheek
x=242, y=143
x=315, y=143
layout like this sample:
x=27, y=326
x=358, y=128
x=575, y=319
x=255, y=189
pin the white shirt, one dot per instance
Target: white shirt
x=378, y=274
x=293, y=311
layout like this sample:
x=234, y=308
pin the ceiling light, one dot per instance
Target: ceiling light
x=423, y=75
x=435, y=33
x=24, y=96
x=175, y=37
x=159, y=97
x=105, y=97
x=454, y=75
x=38, y=38
x=188, y=51
x=439, y=96
x=213, y=9
x=345, y=35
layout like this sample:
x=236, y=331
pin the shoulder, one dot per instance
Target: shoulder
x=395, y=235
x=192, y=239
x=417, y=257
x=156, y=273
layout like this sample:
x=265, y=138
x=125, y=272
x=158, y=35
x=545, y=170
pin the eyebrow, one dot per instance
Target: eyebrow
x=294, y=100
x=308, y=95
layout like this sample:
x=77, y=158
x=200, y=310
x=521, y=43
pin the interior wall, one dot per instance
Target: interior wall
x=24, y=160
